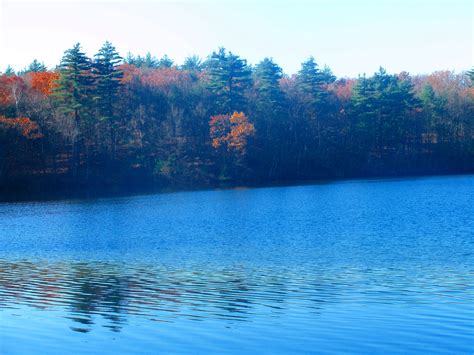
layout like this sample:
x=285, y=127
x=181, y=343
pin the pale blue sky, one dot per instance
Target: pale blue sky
x=352, y=37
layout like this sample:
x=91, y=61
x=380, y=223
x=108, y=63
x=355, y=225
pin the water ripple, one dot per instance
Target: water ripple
x=366, y=267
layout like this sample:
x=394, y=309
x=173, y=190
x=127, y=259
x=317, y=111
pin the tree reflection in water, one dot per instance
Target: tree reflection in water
x=83, y=291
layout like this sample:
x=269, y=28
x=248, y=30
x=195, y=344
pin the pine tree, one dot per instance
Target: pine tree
x=73, y=96
x=36, y=67
x=312, y=84
x=107, y=80
x=269, y=99
x=148, y=62
x=130, y=59
x=165, y=62
x=192, y=63
x=433, y=108
x=73, y=92
x=382, y=105
x=470, y=73
x=9, y=71
x=229, y=78
x=268, y=115
x=267, y=83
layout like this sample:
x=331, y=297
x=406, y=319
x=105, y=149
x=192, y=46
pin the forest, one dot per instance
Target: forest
x=141, y=122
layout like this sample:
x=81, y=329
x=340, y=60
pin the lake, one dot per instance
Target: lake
x=358, y=266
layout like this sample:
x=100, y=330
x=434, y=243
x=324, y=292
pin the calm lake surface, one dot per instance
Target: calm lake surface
x=356, y=266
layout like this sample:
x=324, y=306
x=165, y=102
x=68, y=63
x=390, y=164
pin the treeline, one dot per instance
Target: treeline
x=109, y=121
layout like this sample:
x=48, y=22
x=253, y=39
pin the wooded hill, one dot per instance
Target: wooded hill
x=108, y=121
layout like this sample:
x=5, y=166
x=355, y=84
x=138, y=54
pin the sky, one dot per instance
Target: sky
x=351, y=36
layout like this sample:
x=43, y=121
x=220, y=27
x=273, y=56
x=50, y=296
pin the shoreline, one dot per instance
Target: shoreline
x=47, y=192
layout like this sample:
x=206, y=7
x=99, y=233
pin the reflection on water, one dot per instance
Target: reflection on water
x=116, y=292
x=367, y=266
x=108, y=296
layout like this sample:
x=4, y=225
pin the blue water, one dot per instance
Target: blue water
x=360, y=266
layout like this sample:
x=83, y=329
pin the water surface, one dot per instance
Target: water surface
x=358, y=266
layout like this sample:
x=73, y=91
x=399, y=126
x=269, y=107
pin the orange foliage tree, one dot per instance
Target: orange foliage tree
x=165, y=79
x=26, y=127
x=44, y=82
x=129, y=71
x=231, y=131
x=343, y=89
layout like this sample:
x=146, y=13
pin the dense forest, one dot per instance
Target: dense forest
x=109, y=121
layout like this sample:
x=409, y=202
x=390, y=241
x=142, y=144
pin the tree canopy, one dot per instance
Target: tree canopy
x=139, y=120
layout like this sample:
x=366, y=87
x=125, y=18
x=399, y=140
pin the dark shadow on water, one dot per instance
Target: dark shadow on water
x=53, y=192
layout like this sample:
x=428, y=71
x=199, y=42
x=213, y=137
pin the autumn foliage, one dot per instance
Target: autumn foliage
x=10, y=89
x=44, y=82
x=113, y=121
x=26, y=127
x=5, y=93
x=231, y=131
x=129, y=72
x=343, y=89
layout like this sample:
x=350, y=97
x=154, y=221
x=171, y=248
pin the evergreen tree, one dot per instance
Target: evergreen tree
x=267, y=83
x=165, y=62
x=383, y=106
x=73, y=92
x=433, y=109
x=73, y=95
x=269, y=100
x=107, y=80
x=268, y=115
x=36, y=67
x=129, y=59
x=192, y=63
x=148, y=62
x=229, y=78
x=364, y=107
x=470, y=73
x=9, y=71
x=312, y=84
